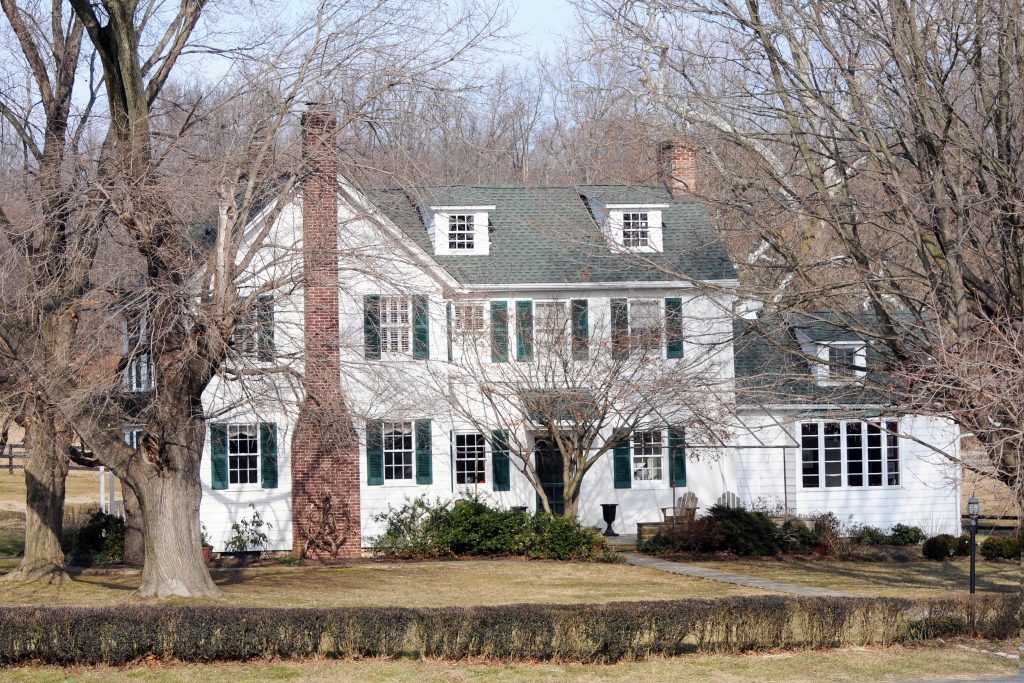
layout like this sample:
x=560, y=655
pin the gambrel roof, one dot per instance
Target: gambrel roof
x=549, y=235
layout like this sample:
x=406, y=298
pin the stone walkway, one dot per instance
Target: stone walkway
x=728, y=577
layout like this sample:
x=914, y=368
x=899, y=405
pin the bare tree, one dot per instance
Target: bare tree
x=146, y=251
x=879, y=170
x=582, y=388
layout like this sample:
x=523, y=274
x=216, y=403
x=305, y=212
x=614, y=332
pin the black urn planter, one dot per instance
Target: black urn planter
x=608, y=511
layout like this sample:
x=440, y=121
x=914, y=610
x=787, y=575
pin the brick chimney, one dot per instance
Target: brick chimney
x=325, y=449
x=677, y=167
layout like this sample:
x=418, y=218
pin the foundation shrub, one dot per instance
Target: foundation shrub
x=1001, y=548
x=746, y=532
x=471, y=527
x=939, y=547
x=903, y=534
x=868, y=535
x=702, y=535
x=583, y=633
x=795, y=537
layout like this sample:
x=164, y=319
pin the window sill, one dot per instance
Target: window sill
x=649, y=484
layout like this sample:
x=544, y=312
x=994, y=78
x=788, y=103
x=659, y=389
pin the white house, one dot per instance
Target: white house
x=406, y=291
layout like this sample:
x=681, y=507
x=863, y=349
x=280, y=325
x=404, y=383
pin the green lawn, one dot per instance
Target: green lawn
x=900, y=579
x=413, y=584
x=847, y=665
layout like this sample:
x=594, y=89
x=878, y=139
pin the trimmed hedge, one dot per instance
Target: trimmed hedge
x=584, y=633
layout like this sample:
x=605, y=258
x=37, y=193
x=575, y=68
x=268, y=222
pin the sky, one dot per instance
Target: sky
x=542, y=23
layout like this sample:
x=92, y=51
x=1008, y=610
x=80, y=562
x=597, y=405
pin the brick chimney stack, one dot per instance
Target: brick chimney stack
x=325, y=449
x=677, y=167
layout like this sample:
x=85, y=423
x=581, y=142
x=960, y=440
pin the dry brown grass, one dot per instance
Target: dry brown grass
x=896, y=579
x=847, y=665
x=419, y=584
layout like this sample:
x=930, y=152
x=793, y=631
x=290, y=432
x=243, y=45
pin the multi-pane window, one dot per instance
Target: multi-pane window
x=551, y=325
x=254, y=330
x=470, y=459
x=469, y=319
x=394, y=324
x=648, y=456
x=844, y=359
x=138, y=369
x=243, y=454
x=645, y=325
x=398, y=451
x=635, y=229
x=834, y=454
x=460, y=231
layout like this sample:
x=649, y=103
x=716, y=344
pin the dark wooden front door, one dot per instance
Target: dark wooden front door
x=549, y=471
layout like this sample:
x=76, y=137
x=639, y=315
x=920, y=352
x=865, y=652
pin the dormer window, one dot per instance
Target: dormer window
x=635, y=229
x=630, y=227
x=460, y=232
x=841, y=361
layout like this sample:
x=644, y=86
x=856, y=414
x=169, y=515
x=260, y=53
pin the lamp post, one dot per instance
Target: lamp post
x=973, y=509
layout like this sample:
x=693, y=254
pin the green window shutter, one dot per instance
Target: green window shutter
x=371, y=326
x=420, y=328
x=674, y=328
x=424, y=453
x=621, y=460
x=265, y=329
x=524, y=330
x=448, y=316
x=374, y=453
x=620, y=329
x=580, y=329
x=677, y=456
x=499, y=461
x=499, y=331
x=268, y=455
x=219, y=455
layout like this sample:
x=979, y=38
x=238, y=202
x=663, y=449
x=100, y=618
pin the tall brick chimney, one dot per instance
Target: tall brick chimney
x=677, y=167
x=325, y=449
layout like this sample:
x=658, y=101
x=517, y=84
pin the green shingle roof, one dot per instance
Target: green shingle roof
x=548, y=235
x=771, y=368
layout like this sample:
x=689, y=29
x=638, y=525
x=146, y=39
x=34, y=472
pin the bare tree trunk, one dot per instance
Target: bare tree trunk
x=134, y=540
x=46, y=471
x=165, y=479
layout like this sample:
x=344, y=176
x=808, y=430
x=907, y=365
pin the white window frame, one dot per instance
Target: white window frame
x=248, y=334
x=634, y=347
x=889, y=444
x=615, y=227
x=437, y=218
x=138, y=372
x=634, y=444
x=540, y=340
x=388, y=425
x=832, y=376
x=459, y=327
x=403, y=328
x=485, y=456
x=636, y=228
x=232, y=430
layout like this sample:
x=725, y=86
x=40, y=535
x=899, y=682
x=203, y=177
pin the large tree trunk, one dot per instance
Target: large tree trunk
x=46, y=472
x=165, y=478
x=134, y=540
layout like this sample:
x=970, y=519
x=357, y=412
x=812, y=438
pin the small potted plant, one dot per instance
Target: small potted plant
x=207, y=546
x=248, y=538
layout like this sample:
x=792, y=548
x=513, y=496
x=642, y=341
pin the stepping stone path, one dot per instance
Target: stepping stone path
x=728, y=577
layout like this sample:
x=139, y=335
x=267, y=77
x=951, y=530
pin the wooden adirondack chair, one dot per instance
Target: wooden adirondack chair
x=730, y=500
x=684, y=511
